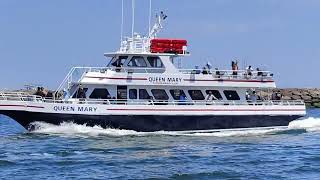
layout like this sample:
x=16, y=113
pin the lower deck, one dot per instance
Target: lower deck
x=151, y=115
x=147, y=123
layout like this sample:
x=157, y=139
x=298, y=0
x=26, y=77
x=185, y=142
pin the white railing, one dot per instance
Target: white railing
x=19, y=96
x=74, y=75
x=121, y=69
x=15, y=96
x=77, y=73
x=219, y=74
x=230, y=74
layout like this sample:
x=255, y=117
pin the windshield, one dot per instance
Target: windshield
x=117, y=61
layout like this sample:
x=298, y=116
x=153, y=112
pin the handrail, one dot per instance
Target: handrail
x=34, y=98
x=19, y=96
x=231, y=74
x=219, y=74
x=216, y=74
x=64, y=81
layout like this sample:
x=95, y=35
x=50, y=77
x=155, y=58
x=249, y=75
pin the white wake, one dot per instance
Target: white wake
x=310, y=124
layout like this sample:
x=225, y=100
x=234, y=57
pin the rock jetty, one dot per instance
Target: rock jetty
x=311, y=96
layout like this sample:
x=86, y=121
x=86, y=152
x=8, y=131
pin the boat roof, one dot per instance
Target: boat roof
x=112, y=54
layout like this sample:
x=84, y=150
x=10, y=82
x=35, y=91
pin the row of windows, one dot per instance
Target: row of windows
x=138, y=61
x=160, y=94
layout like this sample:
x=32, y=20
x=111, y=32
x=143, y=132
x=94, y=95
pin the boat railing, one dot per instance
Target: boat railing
x=216, y=74
x=18, y=96
x=231, y=74
x=123, y=69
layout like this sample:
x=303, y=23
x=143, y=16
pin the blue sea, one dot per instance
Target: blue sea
x=71, y=151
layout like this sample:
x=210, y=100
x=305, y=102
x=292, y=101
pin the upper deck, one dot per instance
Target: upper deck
x=163, y=77
x=149, y=61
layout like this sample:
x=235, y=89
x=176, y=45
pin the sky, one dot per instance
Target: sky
x=41, y=40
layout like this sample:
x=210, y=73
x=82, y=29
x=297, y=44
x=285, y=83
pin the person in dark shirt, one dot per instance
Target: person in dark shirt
x=234, y=68
x=81, y=93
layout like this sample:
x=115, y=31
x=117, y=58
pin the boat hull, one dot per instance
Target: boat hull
x=149, y=123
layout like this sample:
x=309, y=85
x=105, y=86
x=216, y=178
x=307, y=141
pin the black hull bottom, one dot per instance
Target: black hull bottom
x=153, y=123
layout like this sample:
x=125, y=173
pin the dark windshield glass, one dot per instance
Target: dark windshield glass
x=118, y=62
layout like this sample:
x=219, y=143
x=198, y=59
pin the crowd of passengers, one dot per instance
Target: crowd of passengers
x=43, y=92
x=210, y=98
x=207, y=69
x=251, y=96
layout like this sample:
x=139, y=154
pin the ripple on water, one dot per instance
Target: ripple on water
x=77, y=151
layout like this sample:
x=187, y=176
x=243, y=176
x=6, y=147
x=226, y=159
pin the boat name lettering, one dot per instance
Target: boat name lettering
x=71, y=108
x=165, y=80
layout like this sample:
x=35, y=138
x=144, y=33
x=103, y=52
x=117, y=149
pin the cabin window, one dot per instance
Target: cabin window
x=231, y=95
x=159, y=94
x=176, y=93
x=155, y=62
x=196, y=95
x=122, y=92
x=143, y=94
x=137, y=61
x=100, y=93
x=133, y=94
x=80, y=95
x=118, y=62
x=215, y=93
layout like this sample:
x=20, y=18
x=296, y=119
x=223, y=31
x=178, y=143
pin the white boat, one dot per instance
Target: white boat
x=142, y=89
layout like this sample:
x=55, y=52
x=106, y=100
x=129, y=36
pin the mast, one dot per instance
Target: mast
x=121, y=38
x=150, y=7
x=133, y=12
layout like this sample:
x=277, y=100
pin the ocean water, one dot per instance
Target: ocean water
x=71, y=151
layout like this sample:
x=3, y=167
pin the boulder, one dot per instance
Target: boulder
x=306, y=97
x=286, y=98
x=297, y=93
x=295, y=97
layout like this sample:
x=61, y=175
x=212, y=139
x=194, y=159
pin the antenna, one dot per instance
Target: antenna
x=121, y=38
x=150, y=6
x=133, y=8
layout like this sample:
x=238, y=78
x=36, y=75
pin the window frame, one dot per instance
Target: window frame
x=115, y=59
x=139, y=95
x=172, y=91
x=135, y=92
x=231, y=99
x=137, y=57
x=197, y=99
x=106, y=97
x=163, y=90
x=215, y=93
x=76, y=93
x=156, y=59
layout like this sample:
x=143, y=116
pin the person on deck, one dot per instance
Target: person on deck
x=81, y=93
x=182, y=99
x=210, y=97
x=234, y=68
x=249, y=70
x=254, y=96
x=217, y=73
x=259, y=72
x=66, y=94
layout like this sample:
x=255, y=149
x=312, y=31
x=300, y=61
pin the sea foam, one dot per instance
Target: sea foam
x=310, y=124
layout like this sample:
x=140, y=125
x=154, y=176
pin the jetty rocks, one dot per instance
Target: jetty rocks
x=311, y=96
